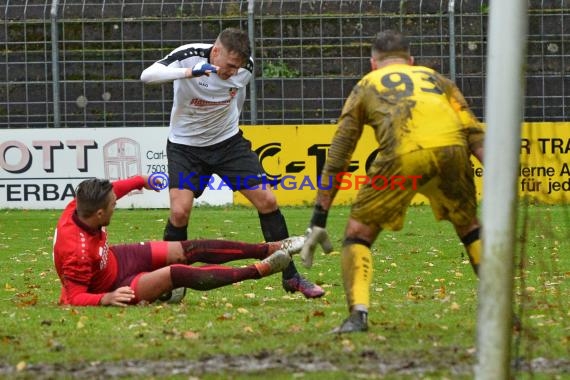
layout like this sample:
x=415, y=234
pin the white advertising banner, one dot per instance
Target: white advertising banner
x=40, y=168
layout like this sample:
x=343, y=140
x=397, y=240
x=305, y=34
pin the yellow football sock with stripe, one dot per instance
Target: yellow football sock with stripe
x=472, y=245
x=357, y=274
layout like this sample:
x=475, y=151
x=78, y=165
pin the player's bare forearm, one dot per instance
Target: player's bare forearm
x=477, y=150
x=475, y=141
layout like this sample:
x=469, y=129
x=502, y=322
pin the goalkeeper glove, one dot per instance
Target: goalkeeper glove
x=203, y=68
x=316, y=234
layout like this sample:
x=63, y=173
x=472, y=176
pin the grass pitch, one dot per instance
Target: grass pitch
x=422, y=317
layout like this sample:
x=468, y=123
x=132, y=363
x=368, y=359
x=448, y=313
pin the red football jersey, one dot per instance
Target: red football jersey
x=85, y=264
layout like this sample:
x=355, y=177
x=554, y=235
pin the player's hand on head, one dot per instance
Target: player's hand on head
x=203, y=68
x=316, y=235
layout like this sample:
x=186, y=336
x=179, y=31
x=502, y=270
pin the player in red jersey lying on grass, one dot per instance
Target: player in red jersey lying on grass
x=92, y=272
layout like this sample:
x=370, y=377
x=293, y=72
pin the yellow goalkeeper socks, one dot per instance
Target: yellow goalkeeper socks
x=357, y=274
x=472, y=245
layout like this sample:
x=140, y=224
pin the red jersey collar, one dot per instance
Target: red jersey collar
x=83, y=226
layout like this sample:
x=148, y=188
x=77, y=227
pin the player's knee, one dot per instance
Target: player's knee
x=359, y=233
x=355, y=240
x=179, y=215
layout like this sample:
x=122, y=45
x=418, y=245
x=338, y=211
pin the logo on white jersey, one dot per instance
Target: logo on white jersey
x=203, y=103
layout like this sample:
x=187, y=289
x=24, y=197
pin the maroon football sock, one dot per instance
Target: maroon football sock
x=221, y=251
x=209, y=276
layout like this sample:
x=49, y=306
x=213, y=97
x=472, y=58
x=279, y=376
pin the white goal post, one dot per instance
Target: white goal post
x=507, y=38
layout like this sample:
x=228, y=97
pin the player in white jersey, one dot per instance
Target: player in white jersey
x=210, y=83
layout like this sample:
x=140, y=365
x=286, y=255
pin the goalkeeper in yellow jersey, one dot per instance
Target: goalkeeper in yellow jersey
x=426, y=134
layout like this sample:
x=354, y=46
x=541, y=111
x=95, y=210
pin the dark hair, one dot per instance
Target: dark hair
x=235, y=40
x=391, y=43
x=92, y=195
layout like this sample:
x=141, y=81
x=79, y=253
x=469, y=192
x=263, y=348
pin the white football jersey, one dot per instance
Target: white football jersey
x=205, y=109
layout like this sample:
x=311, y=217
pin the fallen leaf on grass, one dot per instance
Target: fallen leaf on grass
x=191, y=335
x=8, y=339
x=537, y=316
x=295, y=328
x=413, y=293
x=380, y=338
x=26, y=299
x=347, y=345
x=225, y=317
x=54, y=345
x=81, y=322
x=441, y=292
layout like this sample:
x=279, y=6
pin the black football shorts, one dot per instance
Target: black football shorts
x=191, y=167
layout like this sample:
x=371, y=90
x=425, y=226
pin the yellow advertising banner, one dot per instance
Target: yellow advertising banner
x=544, y=171
x=293, y=156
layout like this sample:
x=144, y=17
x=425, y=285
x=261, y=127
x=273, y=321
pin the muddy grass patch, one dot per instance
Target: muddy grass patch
x=369, y=362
